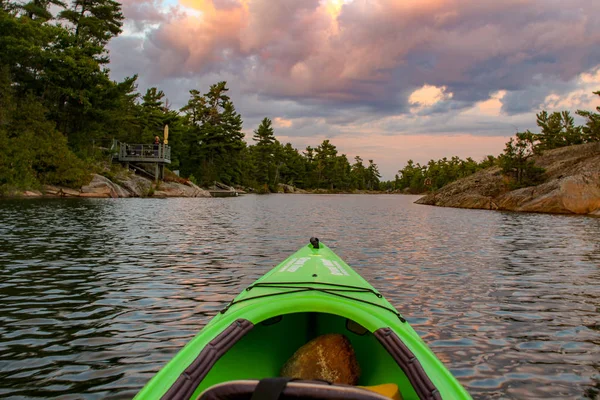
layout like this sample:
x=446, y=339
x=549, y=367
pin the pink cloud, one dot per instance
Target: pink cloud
x=282, y=122
x=351, y=52
x=347, y=70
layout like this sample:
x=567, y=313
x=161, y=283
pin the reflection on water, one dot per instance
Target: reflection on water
x=96, y=295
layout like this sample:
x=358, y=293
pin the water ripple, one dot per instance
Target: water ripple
x=98, y=294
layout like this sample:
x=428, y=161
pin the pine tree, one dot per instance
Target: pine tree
x=557, y=130
x=373, y=176
x=32, y=152
x=325, y=155
x=214, y=138
x=342, y=178
x=119, y=112
x=265, y=157
x=39, y=9
x=358, y=173
x=516, y=161
x=153, y=114
x=293, y=172
x=95, y=21
x=591, y=130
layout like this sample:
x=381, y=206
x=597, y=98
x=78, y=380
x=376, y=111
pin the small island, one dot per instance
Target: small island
x=571, y=186
x=554, y=171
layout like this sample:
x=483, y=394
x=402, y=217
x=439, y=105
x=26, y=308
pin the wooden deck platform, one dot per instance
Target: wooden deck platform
x=139, y=156
x=145, y=153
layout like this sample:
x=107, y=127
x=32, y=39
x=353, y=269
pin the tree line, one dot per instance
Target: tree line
x=58, y=106
x=209, y=146
x=322, y=167
x=557, y=129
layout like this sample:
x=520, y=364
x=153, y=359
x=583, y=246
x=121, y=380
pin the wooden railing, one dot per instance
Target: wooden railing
x=145, y=153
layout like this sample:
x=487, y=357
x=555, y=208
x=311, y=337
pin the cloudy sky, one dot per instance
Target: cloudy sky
x=390, y=80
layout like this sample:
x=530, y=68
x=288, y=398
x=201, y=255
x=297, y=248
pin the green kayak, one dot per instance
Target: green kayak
x=240, y=353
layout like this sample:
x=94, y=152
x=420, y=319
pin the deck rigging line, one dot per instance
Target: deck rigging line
x=334, y=290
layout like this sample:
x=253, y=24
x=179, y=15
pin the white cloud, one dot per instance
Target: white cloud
x=427, y=96
x=581, y=98
x=489, y=107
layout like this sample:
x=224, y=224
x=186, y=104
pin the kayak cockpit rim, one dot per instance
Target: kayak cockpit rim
x=190, y=382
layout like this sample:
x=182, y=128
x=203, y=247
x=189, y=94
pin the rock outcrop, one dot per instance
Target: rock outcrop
x=32, y=193
x=101, y=186
x=283, y=188
x=572, y=186
x=58, y=191
x=135, y=184
x=127, y=185
x=175, y=189
x=328, y=357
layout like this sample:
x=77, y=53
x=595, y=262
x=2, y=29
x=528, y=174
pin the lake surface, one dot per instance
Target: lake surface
x=96, y=295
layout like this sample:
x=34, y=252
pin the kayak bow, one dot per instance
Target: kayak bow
x=313, y=292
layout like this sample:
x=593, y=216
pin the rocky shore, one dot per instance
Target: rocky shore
x=125, y=184
x=571, y=186
x=283, y=188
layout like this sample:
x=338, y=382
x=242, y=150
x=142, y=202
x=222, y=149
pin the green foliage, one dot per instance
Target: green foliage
x=517, y=161
x=325, y=161
x=269, y=163
x=213, y=142
x=118, y=115
x=359, y=175
x=32, y=152
x=293, y=169
x=153, y=116
x=557, y=130
x=372, y=176
x=417, y=178
x=94, y=21
x=591, y=129
x=38, y=9
x=265, y=161
x=58, y=106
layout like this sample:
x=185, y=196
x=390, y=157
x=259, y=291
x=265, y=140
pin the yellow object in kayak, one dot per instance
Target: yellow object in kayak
x=389, y=390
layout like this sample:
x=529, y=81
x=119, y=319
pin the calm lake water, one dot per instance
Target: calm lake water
x=96, y=295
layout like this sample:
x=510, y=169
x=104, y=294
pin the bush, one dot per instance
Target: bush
x=34, y=153
x=517, y=162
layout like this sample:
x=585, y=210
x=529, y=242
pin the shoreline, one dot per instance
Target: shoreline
x=68, y=193
x=571, y=186
x=125, y=184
